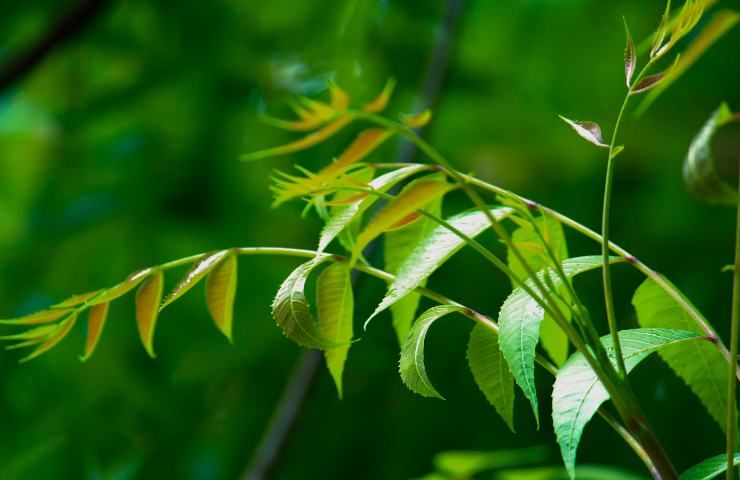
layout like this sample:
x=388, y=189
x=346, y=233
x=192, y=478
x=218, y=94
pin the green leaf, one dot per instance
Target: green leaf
x=347, y=214
x=122, y=288
x=531, y=247
x=466, y=464
x=293, y=313
x=414, y=196
x=588, y=472
x=709, y=468
x=95, y=323
x=412, y=369
x=39, y=318
x=699, y=364
x=398, y=246
x=148, y=298
x=53, y=338
x=200, y=269
x=578, y=393
x=434, y=250
x=699, y=171
x=519, y=325
x=221, y=293
x=335, y=305
x=491, y=372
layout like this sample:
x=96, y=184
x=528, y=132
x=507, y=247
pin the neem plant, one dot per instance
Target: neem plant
x=354, y=199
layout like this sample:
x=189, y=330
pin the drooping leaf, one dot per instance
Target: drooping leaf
x=699, y=172
x=379, y=103
x=398, y=246
x=411, y=365
x=39, y=318
x=221, y=293
x=95, y=323
x=434, y=250
x=350, y=212
x=578, y=393
x=313, y=138
x=709, y=468
x=630, y=57
x=417, y=120
x=53, y=338
x=589, y=130
x=414, y=196
x=335, y=305
x=531, y=247
x=648, y=82
x=519, y=324
x=148, y=298
x=721, y=23
x=293, y=313
x=491, y=372
x=197, y=272
x=699, y=364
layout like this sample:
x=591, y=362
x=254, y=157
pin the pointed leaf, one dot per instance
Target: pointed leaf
x=365, y=143
x=379, y=103
x=417, y=120
x=308, y=141
x=588, y=130
x=526, y=239
x=414, y=196
x=39, y=318
x=630, y=57
x=78, y=299
x=95, y=323
x=578, y=393
x=709, y=468
x=293, y=313
x=662, y=30
x=335, y=305
x=411, y=366
x=31, y=333
x=339, y=98
x=51, y=341
x=122, y=288
x=699, y=364
x=699, y=171
x=347, y=214
x=200, y=269
x=148, y=298
x=434, y=250
x=617, y=150
x=398, y=246
x=491, y=372
x=648, y=82
x=221, y=292
x=519, y=325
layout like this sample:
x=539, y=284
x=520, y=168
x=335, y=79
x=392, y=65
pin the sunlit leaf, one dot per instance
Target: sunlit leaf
x=519, y=324
x=95, y=323
x=467, y=464
x=660, y=34
x=78, y=299
x=630, y=58
x=347, y=214
x=122, y=288
x=699, y=364
x=313, y=138
x=531, y=248
x=417, y=120
x=148, y=298
x=709, y=468
x=335, y=305
x=339, y=98
x=491, y=372
x=38, y=318
x=221, y=293
x=414, y=196
x=379, y=103
x=63, y=328
x=588, y=130
x=197, y=272
x=411, y=366
x=293, y=313
x=617, y=150
x=648, y=82
x=397, y=247
x=578, y=393
x=31, y=334
x=434, y=250
x=699, y=172
x=348, y=235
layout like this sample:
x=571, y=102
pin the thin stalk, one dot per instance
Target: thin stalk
x=734, y=331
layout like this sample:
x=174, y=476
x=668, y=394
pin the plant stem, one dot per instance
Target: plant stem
x=735, y=326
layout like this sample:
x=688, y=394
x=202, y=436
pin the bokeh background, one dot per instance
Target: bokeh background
x=120, y=150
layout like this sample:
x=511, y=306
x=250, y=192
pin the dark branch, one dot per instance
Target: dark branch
x=66, y=28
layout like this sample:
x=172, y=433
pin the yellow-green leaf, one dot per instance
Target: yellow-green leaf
x=339, y=98
x=379, y=103
x=148, y=298
x=335, y=305
x=78, y=299
x=63, y=328
x=122, y=288
x=95, y=323
x=417, y=120
x=415, y=196
x=200, y=269
x=221, y=292
x=39, y=318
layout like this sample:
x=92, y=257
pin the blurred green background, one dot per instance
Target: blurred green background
x=121, y=151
